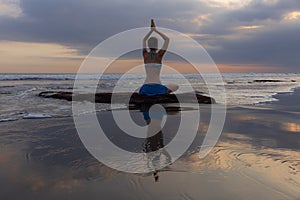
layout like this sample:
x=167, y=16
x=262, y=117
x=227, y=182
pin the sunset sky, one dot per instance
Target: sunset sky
x=54, y=36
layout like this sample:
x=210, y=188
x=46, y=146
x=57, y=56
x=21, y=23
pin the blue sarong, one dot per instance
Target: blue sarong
x=153, y=89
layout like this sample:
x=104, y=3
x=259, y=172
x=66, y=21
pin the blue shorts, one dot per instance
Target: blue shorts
x=153, y=89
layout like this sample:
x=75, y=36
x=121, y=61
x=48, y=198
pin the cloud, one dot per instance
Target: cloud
x=262, y=32
x=228, y=4
x=78, y=22
x=295, y=15
x=275, y=47
x=10, y=8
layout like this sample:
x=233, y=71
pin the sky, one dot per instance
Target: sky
x=241, y=36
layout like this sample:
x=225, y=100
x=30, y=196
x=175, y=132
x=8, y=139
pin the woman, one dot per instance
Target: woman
x=153, y=64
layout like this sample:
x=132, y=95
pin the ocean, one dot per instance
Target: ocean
x=19, y=92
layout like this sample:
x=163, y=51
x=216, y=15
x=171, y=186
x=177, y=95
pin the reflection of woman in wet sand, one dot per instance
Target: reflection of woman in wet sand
x=154, y=143
x=153, y=64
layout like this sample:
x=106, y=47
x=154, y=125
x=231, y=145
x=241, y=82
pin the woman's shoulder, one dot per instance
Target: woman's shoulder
x=151, y=62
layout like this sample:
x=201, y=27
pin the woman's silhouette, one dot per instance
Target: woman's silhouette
x=153, y=64
x=154, y=144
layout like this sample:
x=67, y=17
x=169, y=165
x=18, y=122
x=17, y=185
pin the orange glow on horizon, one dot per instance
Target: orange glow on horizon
x=122, y=66
x=226, y=68
x=22, y=57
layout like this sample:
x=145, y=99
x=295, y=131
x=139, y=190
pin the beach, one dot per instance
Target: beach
x=256, y=157
x=150, y=100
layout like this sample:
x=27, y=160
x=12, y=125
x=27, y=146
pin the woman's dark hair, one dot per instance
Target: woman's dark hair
x=152, y=43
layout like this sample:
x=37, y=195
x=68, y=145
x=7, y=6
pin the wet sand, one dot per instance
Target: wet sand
x=256, y=157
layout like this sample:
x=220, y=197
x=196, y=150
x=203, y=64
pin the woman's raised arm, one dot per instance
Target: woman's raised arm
x=145, y=40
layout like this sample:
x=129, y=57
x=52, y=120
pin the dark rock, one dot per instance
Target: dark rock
x=267, y=81
x=57, y=95
x=4, y=92
x=230, y=82
x=135, y=98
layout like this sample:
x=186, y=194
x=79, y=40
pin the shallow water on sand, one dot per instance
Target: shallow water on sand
x=257, y=157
